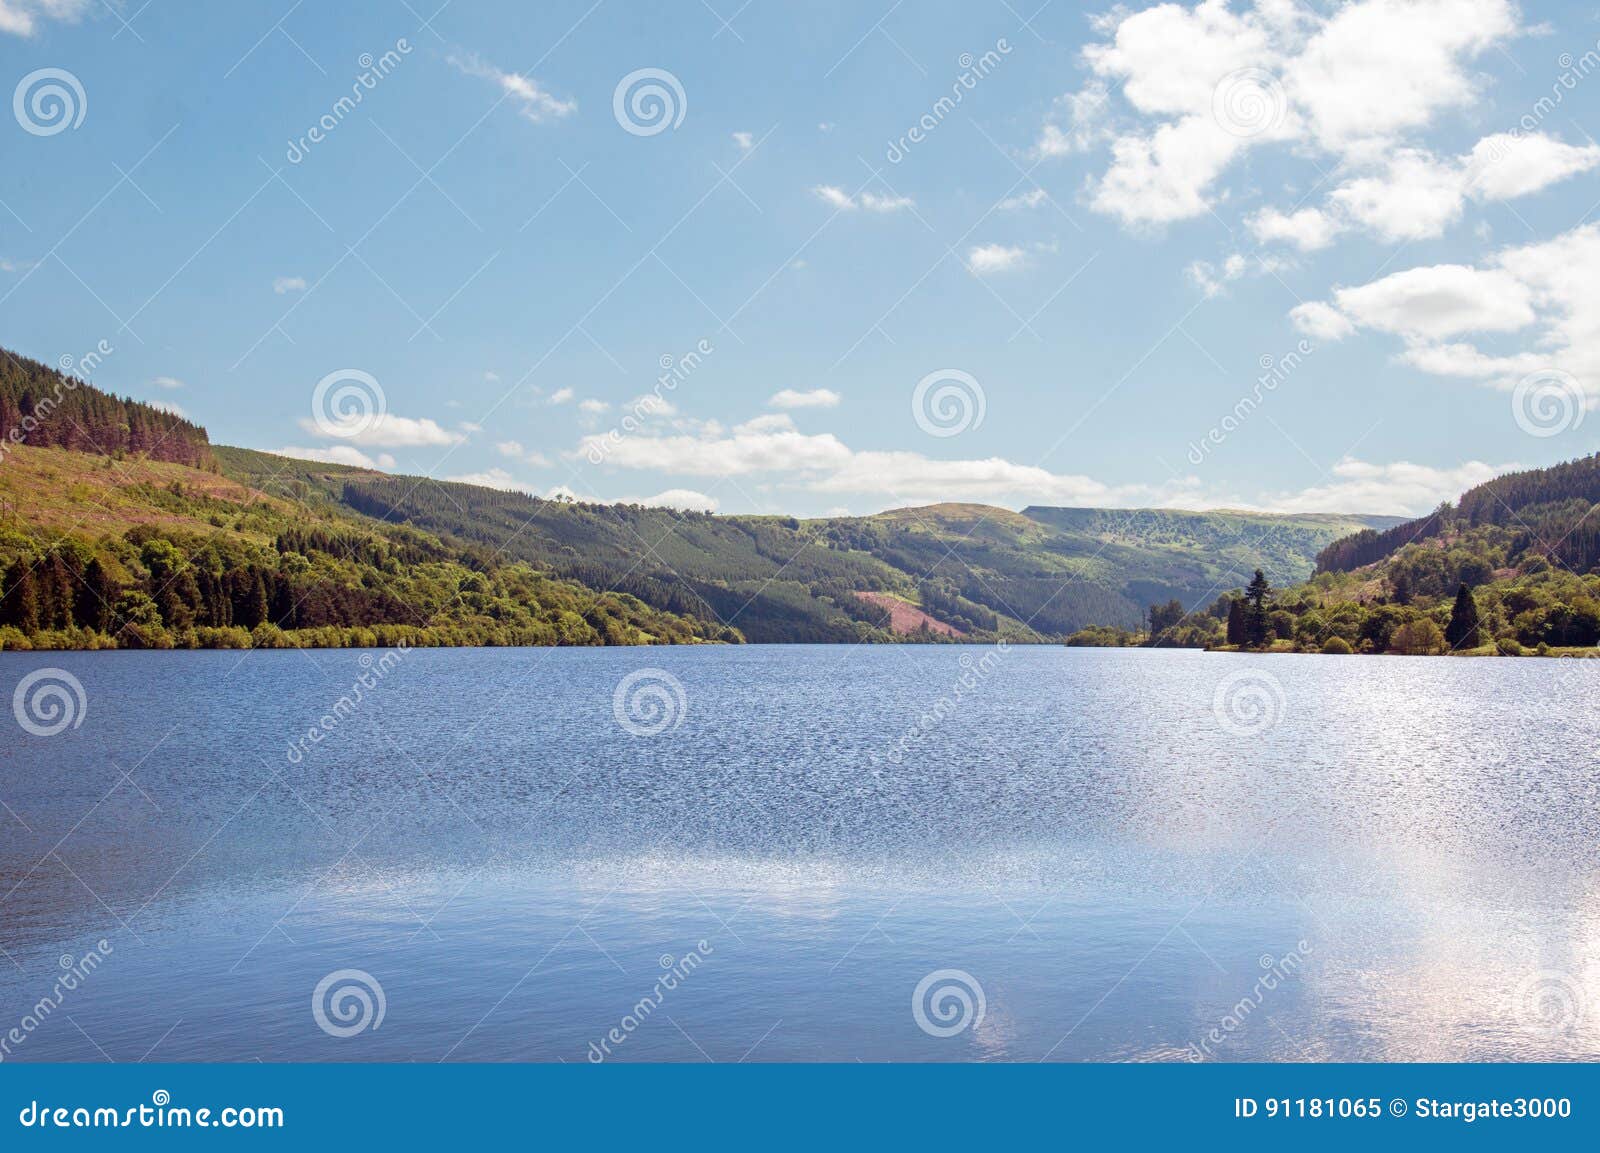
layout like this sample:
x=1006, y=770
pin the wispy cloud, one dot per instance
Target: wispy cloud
x=532, y=101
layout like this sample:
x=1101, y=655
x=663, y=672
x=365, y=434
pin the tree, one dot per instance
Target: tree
x=1164, y=617
x=1257, y=596
x=96, y=596
x=1400, y=587
x=21, y=604
x=1417, y=638
x=1462, y=631
x=1236, y=622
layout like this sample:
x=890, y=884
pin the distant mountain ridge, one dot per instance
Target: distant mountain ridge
x=121, y=524
x=1041, y=574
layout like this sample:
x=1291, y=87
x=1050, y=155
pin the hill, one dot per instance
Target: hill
x=983, y=572
x=120, y=524
x=1512, y=566
x=97, y=552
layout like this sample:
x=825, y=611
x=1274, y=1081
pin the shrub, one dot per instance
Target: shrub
x=1421, y=637
x=1337, y=646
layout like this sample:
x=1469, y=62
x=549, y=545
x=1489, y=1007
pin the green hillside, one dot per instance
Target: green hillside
x=1038, y=575
x=1513, y=566
x=122, y=525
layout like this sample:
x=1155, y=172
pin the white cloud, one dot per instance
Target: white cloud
x=494, y=478
x=168, y=407
x=831, y=194
x=338, y=454
x=681, y=498
x=532, y=101
x=167, y=382
x=1546, y=291
x=1030, y=199
x=1321, y=321
x=508, y=448
x=873, y=202
x=1085, y=114
x=744, y=140
x=1213, y=280
x=1307, y=229
x=514, y=449
x=1505, y=166
x=870, y=201
x=593, y=406
x=560, y=396
x=1399, y=489
x=985, y=259
x=813, y=398
x=1415, y=196
x=1204, y=84
x=391, y=431
x=286, y=284
x=22, y=17
x=1439, y=301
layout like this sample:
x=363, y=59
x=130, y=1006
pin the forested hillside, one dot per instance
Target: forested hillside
x=99, y=553
x=121, y=525
x=985, y=571
x=1512, y=567
x=45, y=408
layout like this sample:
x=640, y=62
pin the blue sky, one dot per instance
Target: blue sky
x=1064, y=287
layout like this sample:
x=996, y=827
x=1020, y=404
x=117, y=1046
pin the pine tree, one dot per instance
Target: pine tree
x=97, y=594
x=1462, y=631
x=1256, y=596
x=1236, y=631
x=20, y=607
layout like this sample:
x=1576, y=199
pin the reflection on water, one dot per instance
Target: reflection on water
x=1390, y=859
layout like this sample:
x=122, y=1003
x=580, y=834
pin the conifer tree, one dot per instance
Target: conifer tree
x=1256, y=596
x=1462, y=631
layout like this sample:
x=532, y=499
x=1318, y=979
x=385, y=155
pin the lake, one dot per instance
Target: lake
x=923, y=853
